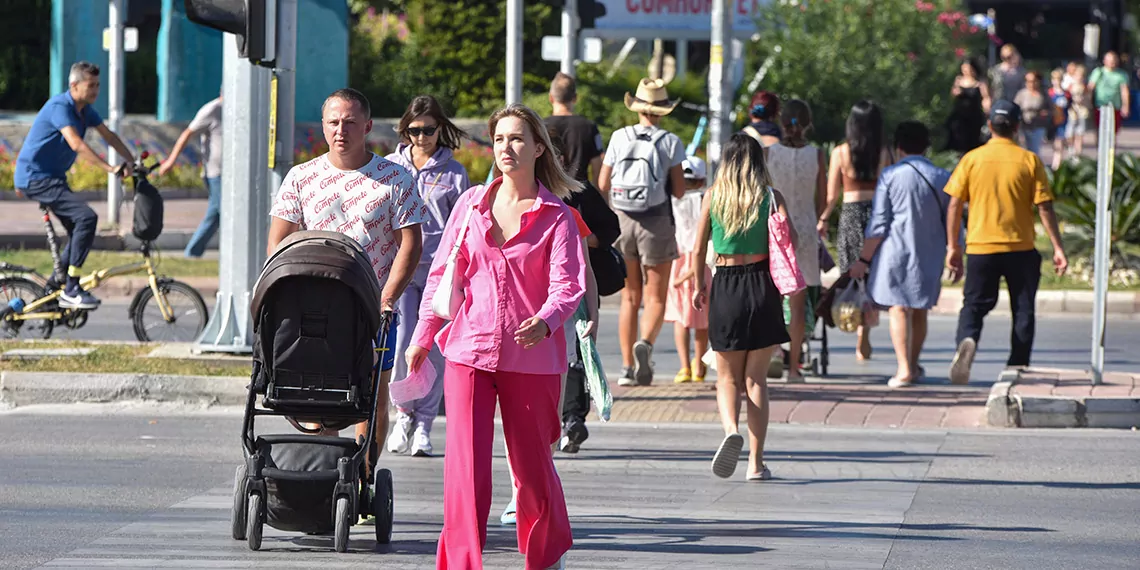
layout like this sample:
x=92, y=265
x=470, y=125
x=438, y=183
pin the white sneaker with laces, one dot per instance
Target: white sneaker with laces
x=79, y=300
x=421, y=442
x=398, y=440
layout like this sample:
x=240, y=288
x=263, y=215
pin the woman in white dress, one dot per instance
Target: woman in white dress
x=799, y=172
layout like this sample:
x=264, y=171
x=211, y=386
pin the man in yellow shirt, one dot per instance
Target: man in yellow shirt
x=1003, y=183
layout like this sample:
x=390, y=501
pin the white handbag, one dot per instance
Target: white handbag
x=448, y=296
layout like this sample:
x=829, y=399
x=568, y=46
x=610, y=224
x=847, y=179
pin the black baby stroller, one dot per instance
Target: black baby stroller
x=316, y=312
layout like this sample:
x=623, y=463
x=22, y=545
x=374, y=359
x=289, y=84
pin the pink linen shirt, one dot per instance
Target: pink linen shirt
x=538, y=272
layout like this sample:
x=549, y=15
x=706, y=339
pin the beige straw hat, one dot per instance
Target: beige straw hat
x=651, y=99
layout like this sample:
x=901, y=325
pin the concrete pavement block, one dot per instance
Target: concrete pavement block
x=1049, y=412
x=1010, y=375
x=1000, y=410
x=40, y=353
x=26, y=388
x=1123, y=413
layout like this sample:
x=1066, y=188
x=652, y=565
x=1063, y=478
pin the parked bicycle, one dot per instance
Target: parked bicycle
x=166, y=310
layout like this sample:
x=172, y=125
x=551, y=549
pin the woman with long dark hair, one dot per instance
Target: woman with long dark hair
x=427, y=142
x=854, y=173
x=971, y=103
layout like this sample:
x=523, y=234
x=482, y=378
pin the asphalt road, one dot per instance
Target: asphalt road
x=1062, y=341
x=121, y=486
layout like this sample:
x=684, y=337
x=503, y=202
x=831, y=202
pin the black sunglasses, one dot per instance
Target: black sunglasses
x=426, y=131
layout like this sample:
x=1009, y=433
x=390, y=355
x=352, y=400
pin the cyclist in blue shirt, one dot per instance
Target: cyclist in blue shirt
x=49, y=150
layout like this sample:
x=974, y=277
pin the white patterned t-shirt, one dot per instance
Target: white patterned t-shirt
x=368, y=204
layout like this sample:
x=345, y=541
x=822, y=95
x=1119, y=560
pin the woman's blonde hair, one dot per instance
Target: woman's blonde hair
x=742, y=181
x=547, y=167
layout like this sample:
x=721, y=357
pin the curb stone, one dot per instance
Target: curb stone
x=1006, y=408
x=27, y=388
x=1000, y=410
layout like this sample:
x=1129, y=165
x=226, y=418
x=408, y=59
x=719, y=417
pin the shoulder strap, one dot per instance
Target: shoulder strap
x=933, y=191
x=752, y=132
x=462, y=235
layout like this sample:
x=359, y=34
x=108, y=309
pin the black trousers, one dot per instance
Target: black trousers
x=575, y=398
x=1022, y=273
x=77, y=217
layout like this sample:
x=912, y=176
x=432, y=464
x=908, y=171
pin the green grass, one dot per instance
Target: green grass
x=169, y=263
x=114, y=358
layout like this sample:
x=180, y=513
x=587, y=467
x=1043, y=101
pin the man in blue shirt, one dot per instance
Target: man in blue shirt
x=49, y=150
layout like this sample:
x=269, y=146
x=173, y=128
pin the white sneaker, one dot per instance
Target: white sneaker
x=78, y=300
x=421, y=443
x=398, y=440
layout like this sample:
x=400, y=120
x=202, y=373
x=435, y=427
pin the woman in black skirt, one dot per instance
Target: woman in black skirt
x=854, y=174
x=746, y=316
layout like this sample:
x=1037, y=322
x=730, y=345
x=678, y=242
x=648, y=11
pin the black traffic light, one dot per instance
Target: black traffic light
x=254, y=22
x=588, y=12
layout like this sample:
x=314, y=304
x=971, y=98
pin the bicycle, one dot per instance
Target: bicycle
x=29, y=301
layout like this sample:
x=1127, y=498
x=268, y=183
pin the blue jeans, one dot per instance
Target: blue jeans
x=427, y=408
x=77, y=217
x=1034, y=138
x=210, y=223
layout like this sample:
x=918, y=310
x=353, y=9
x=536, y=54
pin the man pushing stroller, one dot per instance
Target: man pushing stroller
x=352, y=191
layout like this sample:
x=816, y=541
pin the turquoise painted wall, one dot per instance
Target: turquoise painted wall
x=77, y=35
x=189, y=64
x=322, y=54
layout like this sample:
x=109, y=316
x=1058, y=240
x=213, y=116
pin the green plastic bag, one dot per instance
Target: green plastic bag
x=596, y=382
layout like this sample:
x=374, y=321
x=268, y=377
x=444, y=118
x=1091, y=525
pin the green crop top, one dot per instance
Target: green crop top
x=754, y=241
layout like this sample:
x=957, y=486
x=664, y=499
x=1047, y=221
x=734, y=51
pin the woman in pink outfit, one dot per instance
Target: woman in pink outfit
x=523, y=274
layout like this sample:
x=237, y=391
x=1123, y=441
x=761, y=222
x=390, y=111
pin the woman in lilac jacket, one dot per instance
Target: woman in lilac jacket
x=428, y=140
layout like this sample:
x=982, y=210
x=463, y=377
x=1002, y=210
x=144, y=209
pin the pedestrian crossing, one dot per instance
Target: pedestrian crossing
x=195, y=533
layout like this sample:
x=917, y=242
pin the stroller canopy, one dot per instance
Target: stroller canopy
x=324, y=255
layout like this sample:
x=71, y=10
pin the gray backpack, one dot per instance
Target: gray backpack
x=638, y=181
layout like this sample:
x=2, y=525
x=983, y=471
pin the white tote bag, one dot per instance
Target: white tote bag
x=448, y=296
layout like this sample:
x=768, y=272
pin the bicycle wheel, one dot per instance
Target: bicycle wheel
x=187, y=308
x=12, y=288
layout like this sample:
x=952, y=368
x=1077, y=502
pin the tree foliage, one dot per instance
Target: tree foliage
x=902, y=54
x=25, y=26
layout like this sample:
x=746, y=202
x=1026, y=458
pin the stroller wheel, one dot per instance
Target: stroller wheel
x=382, y=506
x=253, y=524
x=238, y=513
x=343, y=512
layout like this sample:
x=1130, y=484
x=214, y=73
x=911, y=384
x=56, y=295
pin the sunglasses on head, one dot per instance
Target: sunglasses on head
x=426, y=131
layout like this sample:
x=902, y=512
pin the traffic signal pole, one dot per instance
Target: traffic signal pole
x=514, y=51
x=569, y=37
x=720, y=82
x=257, y=153
x=117, y=12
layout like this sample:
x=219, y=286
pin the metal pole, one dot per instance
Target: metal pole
x=620, y=59
x=570, y=37
x=1106, y=156
x=682, y=58
x=991, y=31
x=115, y=61
x=285, y=106
x=514, y=51
x=720, y=90
x=245, y=201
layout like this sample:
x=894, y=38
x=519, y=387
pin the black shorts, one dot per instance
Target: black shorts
x=746, y=311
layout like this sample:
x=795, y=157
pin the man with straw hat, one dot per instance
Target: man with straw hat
x=640, y=170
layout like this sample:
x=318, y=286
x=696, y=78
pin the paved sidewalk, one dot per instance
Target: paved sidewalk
x=849, y=402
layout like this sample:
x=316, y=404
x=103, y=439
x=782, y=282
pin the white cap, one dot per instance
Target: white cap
x=694, y=167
